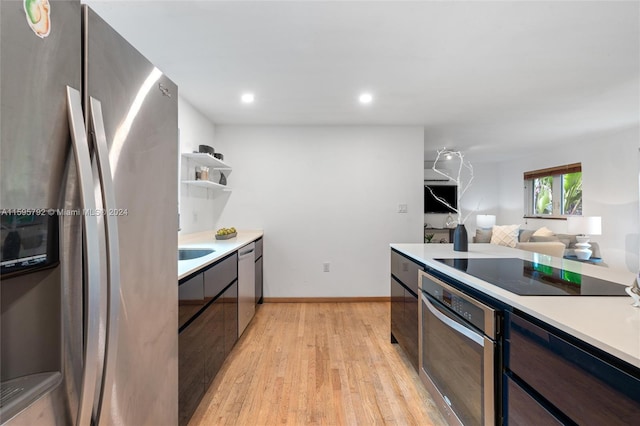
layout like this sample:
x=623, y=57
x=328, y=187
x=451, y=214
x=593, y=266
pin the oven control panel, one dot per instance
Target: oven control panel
x=463, y=305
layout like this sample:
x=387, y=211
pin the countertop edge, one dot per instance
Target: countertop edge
x=206, y=239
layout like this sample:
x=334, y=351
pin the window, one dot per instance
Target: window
x=554, y=192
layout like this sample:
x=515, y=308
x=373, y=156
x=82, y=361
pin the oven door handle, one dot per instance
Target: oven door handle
x=451, y=323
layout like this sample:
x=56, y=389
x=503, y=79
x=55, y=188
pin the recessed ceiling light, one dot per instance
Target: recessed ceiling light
x=365, y=98
x=248, y=98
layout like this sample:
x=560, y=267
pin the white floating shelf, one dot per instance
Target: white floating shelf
x=207, y=160
x=207, y=184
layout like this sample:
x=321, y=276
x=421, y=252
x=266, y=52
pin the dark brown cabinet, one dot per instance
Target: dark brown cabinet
x=191, y=384
x=259, y=285
x=230, y=309
x=566, y=378
x=404, y=304
x=208, y=330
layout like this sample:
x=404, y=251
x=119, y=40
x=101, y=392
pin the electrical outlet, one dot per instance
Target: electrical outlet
x=402, y=208
x=326, y=266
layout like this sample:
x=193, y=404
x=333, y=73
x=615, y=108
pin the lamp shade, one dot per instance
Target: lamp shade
x=584, y=225
x=485, y=221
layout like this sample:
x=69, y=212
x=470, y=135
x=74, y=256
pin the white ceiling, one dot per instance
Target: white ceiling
x=480, y=76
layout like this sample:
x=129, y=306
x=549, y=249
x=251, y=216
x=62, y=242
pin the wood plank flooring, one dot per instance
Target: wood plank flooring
x=317, y=364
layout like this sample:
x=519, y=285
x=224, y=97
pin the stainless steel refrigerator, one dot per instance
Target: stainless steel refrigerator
x=88, y=193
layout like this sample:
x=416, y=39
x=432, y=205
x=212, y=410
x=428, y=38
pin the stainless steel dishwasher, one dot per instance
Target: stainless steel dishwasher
x=246, y=286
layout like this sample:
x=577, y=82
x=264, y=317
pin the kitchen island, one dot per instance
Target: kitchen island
x=557, y=358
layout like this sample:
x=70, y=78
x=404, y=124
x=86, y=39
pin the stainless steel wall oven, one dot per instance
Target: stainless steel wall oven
x=458, y=357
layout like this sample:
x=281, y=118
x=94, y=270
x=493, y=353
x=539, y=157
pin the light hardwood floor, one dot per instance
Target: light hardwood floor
x=317, y=363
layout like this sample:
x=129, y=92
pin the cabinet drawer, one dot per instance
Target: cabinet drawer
x=220, y=275
x=587, y=389
x=191, y=386
x=523, y=410
x=190, y=298
x=258, y=248
x=405, y=270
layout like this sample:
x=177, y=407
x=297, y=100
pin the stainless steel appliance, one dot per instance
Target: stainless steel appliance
x=246, y=286
x=89, y=295
x=457, y=344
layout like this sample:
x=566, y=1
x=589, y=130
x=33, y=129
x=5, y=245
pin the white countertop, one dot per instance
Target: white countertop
x=207, y=240
x=608, y=323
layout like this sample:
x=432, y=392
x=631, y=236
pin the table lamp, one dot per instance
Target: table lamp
x=485, y=221
x=584, y=226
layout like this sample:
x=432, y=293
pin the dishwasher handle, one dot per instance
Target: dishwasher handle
x=246, y=250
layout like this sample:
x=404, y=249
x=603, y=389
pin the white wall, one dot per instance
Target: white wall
x=197, y=205
x=325, y=194
x=610, y=189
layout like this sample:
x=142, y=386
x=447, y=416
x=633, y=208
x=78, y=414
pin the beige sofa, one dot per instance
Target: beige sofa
x=552, y=248
x=558, y=245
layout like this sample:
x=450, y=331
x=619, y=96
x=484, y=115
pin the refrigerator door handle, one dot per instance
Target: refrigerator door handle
x=91, y=255
x=113, y=258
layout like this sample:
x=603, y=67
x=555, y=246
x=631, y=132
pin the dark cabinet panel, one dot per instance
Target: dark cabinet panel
x=220, y=275
x=230, y=303
x=404, y=320
x=523, y=410
x=258, y=248
x=411, y=327
x=405, y=270
x=213, y=339
x=190, y=299
x=259, y=280
x=587, y=389
x=191, y=386
x=397, y=310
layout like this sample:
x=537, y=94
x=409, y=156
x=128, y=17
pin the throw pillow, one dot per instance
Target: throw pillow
x=483, y=236
x=506, y=235
x=544, y=232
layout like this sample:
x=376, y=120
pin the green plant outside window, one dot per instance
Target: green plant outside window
x=572, y=193
x=543, y=195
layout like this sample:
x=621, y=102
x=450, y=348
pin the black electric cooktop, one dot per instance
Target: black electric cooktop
x=527, y=278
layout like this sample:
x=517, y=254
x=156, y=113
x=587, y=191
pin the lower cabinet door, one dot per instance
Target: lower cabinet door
x=397, y=311
x=259, y=280
x=214, y=352
x=523, y=410
x=404, y=320
x=230, y=302
x=587, y=389
x=411, y=319
x=191, y=386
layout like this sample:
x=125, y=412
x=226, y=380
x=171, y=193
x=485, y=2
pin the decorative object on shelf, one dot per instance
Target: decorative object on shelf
x=585, y=226
x=204, y=173
x=219, y=156
x=485, y=221
x=450, y=222
x=428, y=238
x=198, y=173
x=463, y=181
x=460, y=238
x=223, y=179
x=634, y=291
x=206, y=149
